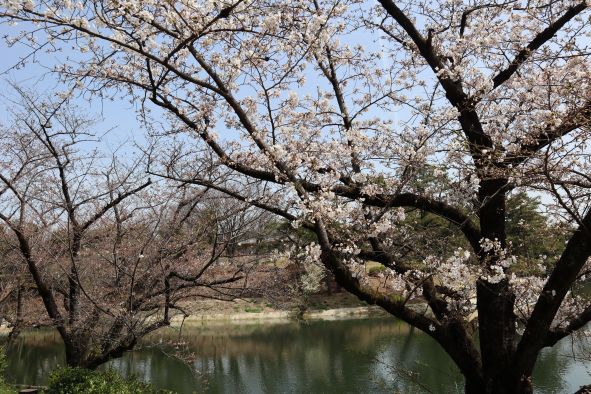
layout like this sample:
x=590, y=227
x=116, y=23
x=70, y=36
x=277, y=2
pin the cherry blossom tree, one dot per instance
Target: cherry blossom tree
x=327, y=113
x=111, y=255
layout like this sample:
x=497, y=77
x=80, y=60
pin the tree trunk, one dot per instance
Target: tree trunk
x=473, y=387
x=74, y=293
x=496, y=330
x=495, y=301
x=73, y=296
x=500, y=385
x=74, y=354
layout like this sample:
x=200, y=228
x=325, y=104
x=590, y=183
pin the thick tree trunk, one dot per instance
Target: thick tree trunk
x=496, y=329
x=501, y=385
x=495, y=301
x=74, y=354
x=473, y=387
x=78, y=355
x=77, y=346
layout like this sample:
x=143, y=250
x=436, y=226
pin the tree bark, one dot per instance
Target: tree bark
x=500, y=385
x=495, y=301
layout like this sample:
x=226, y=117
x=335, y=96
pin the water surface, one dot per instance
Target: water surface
x=379, y=355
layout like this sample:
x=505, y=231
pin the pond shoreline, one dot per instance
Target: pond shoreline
x=280, y=316
x=275, y=316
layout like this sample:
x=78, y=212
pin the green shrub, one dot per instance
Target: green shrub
x=375, y=269
x=5, y=388
x=253, y=309
x=84, y=381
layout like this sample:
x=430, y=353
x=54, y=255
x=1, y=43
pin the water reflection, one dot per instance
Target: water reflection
x=354, y=356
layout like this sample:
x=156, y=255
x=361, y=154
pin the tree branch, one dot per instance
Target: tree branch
x=573, y=121
x=574, y=325
x=575, y=255
x=539, y=40
x=113, y=203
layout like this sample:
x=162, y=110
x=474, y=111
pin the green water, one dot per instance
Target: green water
x=353, y=356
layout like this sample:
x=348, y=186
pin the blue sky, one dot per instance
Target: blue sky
x=119, y=114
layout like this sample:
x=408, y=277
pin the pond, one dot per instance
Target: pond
x=376, y=355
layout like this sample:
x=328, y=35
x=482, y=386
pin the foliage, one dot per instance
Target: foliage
x=3, y=361
x=4, y=387
x=84, y=381
x=533, y=237
x=375, y=269
x=253, y=309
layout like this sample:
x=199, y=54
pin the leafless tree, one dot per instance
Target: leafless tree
x=111, y=254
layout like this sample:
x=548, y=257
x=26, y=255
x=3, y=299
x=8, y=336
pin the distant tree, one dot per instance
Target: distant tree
x=533, y=236
x=12, y=288
x=111, y=255
x=535, y=240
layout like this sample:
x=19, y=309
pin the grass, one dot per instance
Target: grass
x=84, y=381
x=372, y=267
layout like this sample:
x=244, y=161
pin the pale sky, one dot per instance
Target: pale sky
x=119, y=114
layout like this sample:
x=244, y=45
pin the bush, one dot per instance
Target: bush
x=84, y=381
x=253, y=309
x=374, y=270
x=4, y=387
